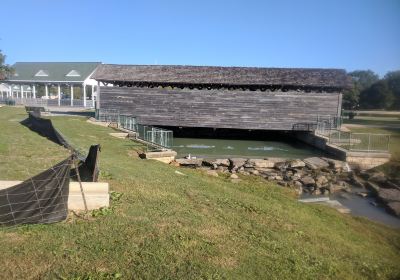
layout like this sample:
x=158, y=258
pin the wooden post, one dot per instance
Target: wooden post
x=80, y=183
x=34, y=91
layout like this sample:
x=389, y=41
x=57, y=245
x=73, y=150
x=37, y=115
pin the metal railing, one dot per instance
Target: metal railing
x=330, y=127
x=107, y=115
x=127, y=122
x=47, y=102
x=325, y=124
x=156, y=137
x=361, y=142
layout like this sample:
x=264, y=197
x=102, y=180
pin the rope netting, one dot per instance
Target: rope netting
x=43, y=198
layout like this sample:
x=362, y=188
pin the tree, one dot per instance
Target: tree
x=393, y=81
x=5, y=70
x=362, y=80
x=377, y=96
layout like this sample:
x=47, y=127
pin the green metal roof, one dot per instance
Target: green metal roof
x=52, y=71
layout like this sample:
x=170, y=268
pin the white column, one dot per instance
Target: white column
x=34, y=91
x=11, y=91
x=98, y=96
x=59, y=95
x=21, y=88
x=84, y=94
x=92, y=93
x=47, y=91
x=72, y=95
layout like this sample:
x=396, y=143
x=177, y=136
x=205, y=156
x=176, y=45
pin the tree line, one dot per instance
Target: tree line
x=371, y=92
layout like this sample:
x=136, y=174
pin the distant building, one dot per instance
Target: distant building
x=57, y=79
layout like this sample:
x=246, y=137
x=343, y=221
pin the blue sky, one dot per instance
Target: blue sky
x=349, y=34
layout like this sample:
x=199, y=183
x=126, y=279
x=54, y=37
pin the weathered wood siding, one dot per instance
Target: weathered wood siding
x=220, y=108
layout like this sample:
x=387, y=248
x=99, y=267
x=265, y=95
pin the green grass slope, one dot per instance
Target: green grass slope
x=169, y=226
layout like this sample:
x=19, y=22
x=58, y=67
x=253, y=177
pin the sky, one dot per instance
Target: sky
x=347, y=34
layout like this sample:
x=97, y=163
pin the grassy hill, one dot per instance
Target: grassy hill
x=169, y=226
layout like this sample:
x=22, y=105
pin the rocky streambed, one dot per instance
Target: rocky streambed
x=314, y=176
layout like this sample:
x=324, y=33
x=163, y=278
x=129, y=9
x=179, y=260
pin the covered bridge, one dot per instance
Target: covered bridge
x=222, y=97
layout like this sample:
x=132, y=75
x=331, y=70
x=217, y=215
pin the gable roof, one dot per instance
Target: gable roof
x=57, y=71
x=222, y=76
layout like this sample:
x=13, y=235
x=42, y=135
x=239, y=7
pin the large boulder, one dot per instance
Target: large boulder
x=282, y=165
x=374, y=188
x=216, y=162
x=222, y=162
x=321, y=181
x=212, y=173
x=316, y=163
x=336, y=187
x=308, y=181
x=394, y=208
x=338, y=165
x=377, y=177
x=389, y=195
x=296, y=163
x=261, y=163
x=357, y=181
x=236, y=163
x=189, y=162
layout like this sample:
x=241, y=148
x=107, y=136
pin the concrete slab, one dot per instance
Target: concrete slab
x=96, y=194
x=326, y=201
x=337, y=205
x=314, y=199
x=121, y=135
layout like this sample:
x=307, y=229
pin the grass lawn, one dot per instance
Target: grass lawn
x=380, y=121
x=169, y=226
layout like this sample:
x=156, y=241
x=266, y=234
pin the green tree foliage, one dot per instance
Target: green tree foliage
x=5, y=70
x=362, y=80
x=377, y=96
x=393, y=81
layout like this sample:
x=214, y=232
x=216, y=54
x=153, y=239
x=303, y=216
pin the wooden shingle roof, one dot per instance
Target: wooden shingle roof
x=177, y=75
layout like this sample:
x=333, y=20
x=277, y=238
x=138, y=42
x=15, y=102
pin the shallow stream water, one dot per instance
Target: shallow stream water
x=224, y=148
x=363, y=207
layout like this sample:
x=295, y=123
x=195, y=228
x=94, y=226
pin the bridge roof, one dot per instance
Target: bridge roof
x=179, y=75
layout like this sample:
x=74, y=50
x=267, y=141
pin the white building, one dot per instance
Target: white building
x=58, y=82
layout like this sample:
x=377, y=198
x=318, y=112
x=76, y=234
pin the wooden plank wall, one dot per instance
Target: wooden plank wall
x=220, y=108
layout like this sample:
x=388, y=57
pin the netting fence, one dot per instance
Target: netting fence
x=43, y=198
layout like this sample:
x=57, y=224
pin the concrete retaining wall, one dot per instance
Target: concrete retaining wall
x=356, y=160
